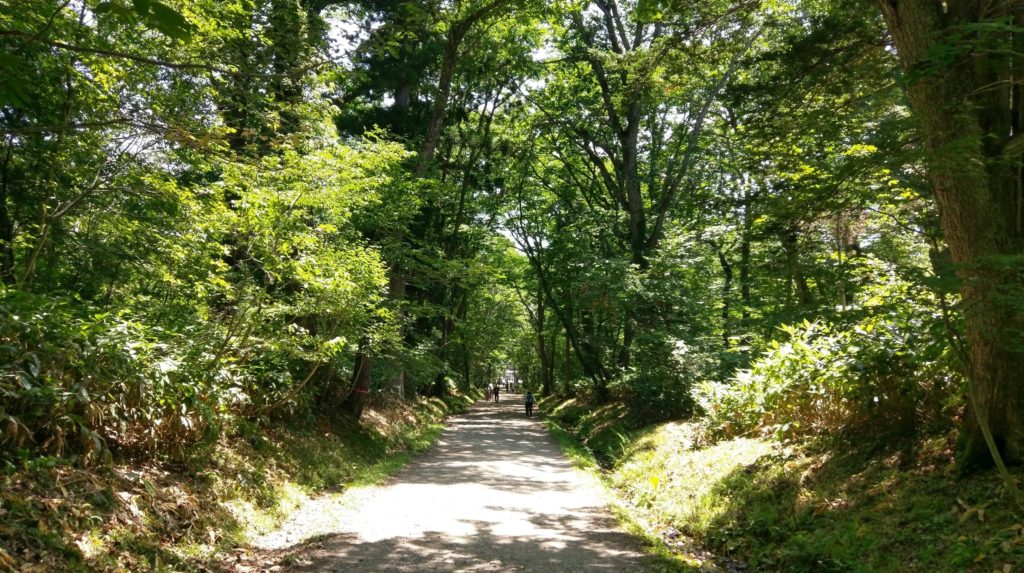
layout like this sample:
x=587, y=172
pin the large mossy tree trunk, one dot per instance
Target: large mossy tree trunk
x=970, y=112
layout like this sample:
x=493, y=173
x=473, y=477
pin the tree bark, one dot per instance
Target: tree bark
x=361, y=380
x=438, y=110
x=7, y=271
x=567, y=360
x=439, y=107
x=432, y=137
x=544, y=350
x=972, y=165
x=794, y=271
x=288, y=45
x=549, y=376
x=723, y=260
x=745, y=240
x=585, y=353
x=396, y=296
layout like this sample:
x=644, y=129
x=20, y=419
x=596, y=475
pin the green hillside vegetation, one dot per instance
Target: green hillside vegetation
x=789, y=506
x=147, y=516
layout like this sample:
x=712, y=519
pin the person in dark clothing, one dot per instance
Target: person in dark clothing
x=529, y=403
x=497, y=390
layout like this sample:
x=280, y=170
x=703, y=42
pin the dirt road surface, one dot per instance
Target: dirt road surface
x=494, y=494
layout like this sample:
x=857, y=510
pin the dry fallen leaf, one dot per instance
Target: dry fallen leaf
x=6, y=562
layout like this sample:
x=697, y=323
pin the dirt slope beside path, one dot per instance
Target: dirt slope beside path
x=494, y=494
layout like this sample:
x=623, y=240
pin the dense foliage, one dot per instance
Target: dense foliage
x=189, y=245
x=215, y=212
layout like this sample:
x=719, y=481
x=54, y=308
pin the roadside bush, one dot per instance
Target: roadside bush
x=887, y=370
x=660, y=387
x=653, y=395
x=73, y=381
x=583, y=389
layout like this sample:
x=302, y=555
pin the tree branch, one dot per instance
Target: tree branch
x=30, y=38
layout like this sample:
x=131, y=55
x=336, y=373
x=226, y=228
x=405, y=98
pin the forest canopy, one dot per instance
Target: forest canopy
x=798, y=217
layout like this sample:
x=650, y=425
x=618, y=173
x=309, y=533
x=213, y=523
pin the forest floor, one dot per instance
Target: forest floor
x=494, y=494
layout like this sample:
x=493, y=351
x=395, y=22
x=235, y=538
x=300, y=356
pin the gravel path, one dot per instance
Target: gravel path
x=494, y=494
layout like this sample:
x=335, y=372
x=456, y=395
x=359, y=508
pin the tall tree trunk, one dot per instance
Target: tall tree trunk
x=458, y=301
x=440, y=386
x=7, y=272
x=361, y=380
x=726, y=295
x=745, y=302
x=456, y=33
x=466, y=364
x=435, y=127
x=539, y=328
x=584, y=351
x=567, y=360
x=461, y=310
x=549, y=376
x=396, y=296
x=791, y=246
x=745, y=240
x=972, y=154
x=440, y=106
x=639, y=243
x=628, y=336
x=237, y=108
x=288, y=46
x=593, y=367
x=544, y=351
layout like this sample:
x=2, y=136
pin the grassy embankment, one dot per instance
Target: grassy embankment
x=142, y=516
x=771, y=506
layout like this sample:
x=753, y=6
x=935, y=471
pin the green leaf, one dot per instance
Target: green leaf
x=169, y=21
x=153, y=14
x=119, y=11
x=12, y=91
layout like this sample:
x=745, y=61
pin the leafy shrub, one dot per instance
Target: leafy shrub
x=886, y=371
x=653, y=395
x=583, y=389
x=659, y=387
x=73, y=381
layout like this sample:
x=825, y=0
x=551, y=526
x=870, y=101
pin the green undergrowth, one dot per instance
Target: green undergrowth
x=139, y=516
x=603, y=431
x=798, y=508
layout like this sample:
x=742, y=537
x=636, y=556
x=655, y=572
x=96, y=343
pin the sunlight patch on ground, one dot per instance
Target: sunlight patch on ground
x=495, y=494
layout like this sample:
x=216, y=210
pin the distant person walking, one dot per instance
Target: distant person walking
x=497, y=390
x=529, y=403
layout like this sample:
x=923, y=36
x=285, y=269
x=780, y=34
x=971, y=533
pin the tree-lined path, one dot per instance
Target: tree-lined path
x=494, y=494
x=766, y=258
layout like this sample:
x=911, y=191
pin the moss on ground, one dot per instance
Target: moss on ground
x=784, y=507
x=148, y=516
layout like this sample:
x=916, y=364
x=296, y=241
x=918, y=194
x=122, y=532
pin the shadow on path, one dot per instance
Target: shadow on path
x=494, y=494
